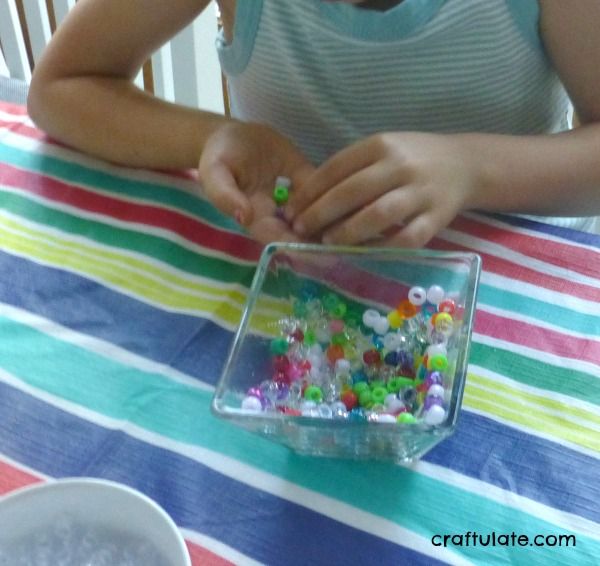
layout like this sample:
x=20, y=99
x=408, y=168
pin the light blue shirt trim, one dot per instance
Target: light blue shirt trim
x=526, y=14
x=235, y=56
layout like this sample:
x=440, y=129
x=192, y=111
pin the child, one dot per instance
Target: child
x=389, y=116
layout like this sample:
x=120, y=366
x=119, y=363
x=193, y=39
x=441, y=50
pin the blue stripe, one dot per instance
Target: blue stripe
x=577, y=236
x=520, y=463
x=179, y=340
x=260, y=525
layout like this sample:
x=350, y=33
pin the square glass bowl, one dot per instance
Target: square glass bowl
x=352, y=352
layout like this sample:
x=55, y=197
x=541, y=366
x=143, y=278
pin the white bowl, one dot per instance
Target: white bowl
x=93, y=506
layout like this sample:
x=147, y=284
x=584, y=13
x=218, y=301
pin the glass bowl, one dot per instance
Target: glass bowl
x=352, y=352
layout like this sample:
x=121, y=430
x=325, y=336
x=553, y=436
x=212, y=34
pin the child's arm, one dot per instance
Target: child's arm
x=421, y=181
x=82, y=94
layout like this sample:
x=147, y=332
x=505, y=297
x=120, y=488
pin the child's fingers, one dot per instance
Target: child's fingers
x=394, y=208
x=222, y=189
x=339, y=167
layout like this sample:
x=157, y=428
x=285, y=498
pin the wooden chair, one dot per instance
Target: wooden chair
x=185, y=70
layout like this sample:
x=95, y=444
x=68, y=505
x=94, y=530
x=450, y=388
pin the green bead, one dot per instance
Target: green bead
x=406, y=418
x=279, y=346
x=310, y=338
x=313, y=393
x=339, y=310
x=330, y=302
x=376, y=383
x=339, y=339
x=280, y=195
x=396, y=383
x=365, y=399
x=360, y=386
x=378, y=394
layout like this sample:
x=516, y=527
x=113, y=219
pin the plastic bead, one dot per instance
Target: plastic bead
x=371, y=357
x=439, y=362
x=443, y=323
x=382, y=325
x=406, y=309
x=448, y=306
x=336, y=325
x=313, y=393
x=279, y=346
x=350, y=400
x=335, y=352
x=370, y=318
x=280, y=195
x=395, y=319
x=435, y=415
x=251, y=403
x=417, y=296
x=385, y=418
x=435, y=294
x=405, y=418
x=435, y=390
x=378, y=394
x=365, y=399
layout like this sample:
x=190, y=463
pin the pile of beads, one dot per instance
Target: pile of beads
x=332, y=361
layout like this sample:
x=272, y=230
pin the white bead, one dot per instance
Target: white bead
x=435, y=415
x=252, y=403
x=306, y=405
x=283, y=182
x=392, y=341
x=435, y=390
x=342, y=366
x=382, y=325
x=325, y=411
x=435, y=294
x=393, y=404
x=385, y=418
x=417, y=296
x=435, y=349
x=370, y=317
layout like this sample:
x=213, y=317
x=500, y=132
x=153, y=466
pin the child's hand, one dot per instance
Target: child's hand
x=394, y=188
x=238, y=168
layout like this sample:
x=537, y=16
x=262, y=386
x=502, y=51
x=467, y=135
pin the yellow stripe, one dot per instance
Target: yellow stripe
x=118, y=272
x=548, y=403
x=534, y=420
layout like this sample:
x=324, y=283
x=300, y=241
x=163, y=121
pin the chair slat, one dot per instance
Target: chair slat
x=38, y=26
x=196, y=70
x=162, y=73
x=61, y=9
x=13, y=44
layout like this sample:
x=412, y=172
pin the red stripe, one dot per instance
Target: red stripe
x=203, y=557
x=12, y=108
x=536, y=337
x=561, y=254
x=518, y=272
x=12, y=478
x=189, y=228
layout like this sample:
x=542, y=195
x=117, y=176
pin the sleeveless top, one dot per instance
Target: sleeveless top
x=328, y=74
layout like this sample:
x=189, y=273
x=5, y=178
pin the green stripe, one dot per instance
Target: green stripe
x=536, y=373
x=229, y=270
x=414, y=501
x=119, y=185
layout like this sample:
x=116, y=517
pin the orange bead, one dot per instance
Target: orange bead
x=407, y=309
x=335, y=352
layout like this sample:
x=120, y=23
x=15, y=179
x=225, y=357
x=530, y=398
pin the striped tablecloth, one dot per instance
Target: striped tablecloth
x=119, y=295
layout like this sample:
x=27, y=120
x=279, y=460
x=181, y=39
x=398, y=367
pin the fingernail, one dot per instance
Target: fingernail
x=239, y=217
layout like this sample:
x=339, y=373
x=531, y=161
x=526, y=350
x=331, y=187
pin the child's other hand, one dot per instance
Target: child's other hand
x=238, y=168
x=396, y=189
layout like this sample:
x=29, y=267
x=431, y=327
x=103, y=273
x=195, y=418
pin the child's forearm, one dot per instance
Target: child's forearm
x=112, y=119
x=548, y=174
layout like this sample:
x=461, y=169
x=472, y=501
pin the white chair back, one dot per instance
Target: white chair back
x=185, y=70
